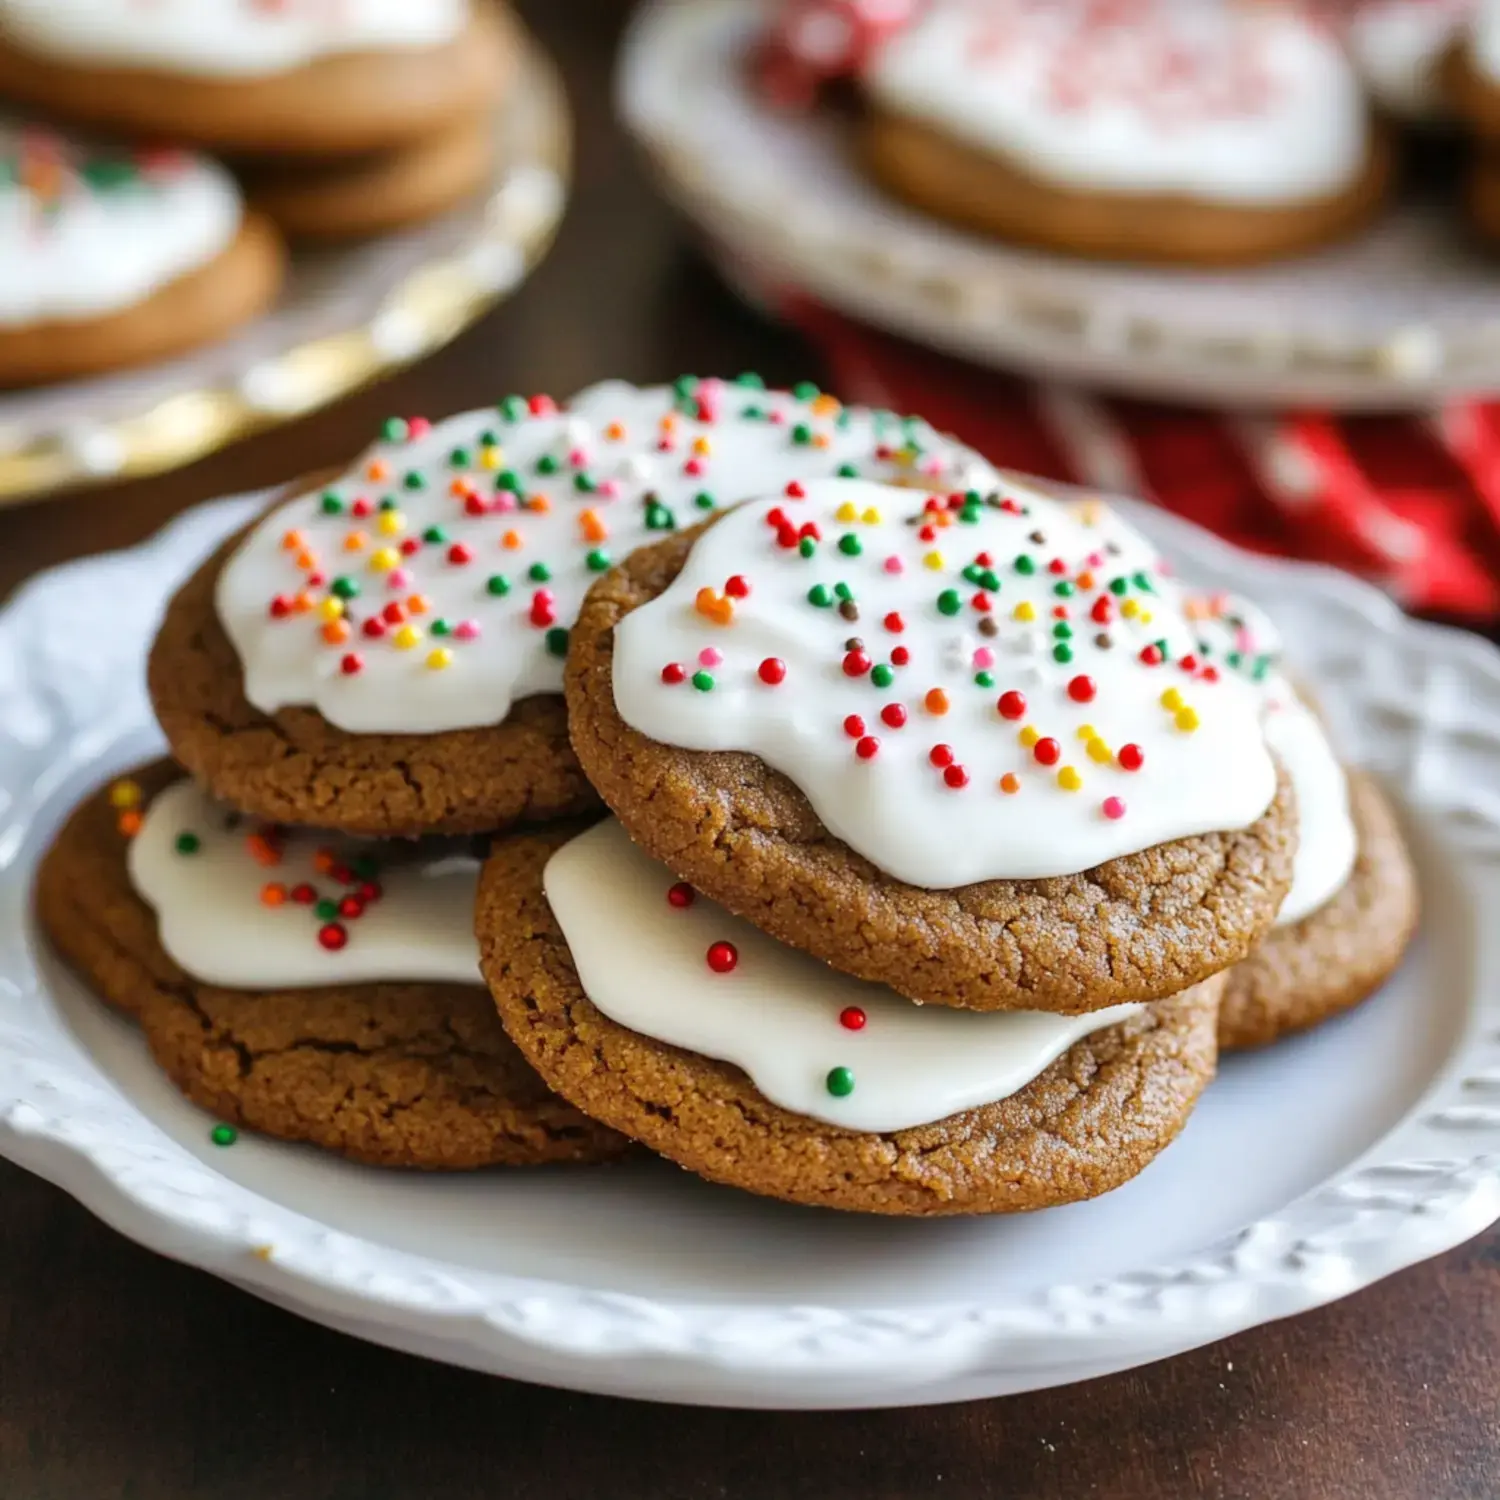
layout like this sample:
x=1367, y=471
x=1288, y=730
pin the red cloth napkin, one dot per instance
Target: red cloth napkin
x=1410, y=502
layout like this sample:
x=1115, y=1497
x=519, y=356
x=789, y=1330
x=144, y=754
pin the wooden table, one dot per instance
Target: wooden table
x=123, y=1375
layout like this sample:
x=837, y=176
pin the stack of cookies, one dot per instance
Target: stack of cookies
x=951, y=836
x=340, y=121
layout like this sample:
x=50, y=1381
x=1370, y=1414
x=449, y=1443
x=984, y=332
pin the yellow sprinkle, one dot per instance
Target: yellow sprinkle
x=385, y=559
x=906, y=457
x=491, y=458
x=1171, y=700
x=1069, y=779
x=846, y=512
x=1028, y=736
x=1100, y=751
x=440, y=658
x=1090, y=513
x=407, y=637
x=1087, y=732
x=1187, y=719
x=125, y=794
x=391, y=523
x=1025, y=610
x=933, y=560
x=871, y=516
x=262, y=1252
x=1130, y=608
x=1145, y=617
x=331, y=609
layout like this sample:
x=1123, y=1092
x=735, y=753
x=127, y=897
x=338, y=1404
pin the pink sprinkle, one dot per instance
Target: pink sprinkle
x=777, y=418
x=693, y=466
x=418, y=427
x=893, y=564
x=1096, y=559
x=709, y=657
x=609, y=490
x=506, y=500
x=466, y=630
x=578, y=458
x=398, y=578
x=984, y=657
x=1113, y=808
x=933, y=465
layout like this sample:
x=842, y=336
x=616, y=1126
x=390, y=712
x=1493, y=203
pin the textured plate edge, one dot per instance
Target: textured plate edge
x=1399, y=1209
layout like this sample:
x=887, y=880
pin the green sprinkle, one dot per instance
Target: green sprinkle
x=459, y=458
x=326, y=910
x=984, y=679
x=388, y=502
x=805, y=390
x=1261, y=667
x=704, y=501
x=546, y=464
x=850, y=545
x=752, y=414
x=970, y=515
x=583, y=484
x=539, y=572
x=331, y=505
x=1234, y=658
x=366, y=867
x=413, y=480
x=843, y=591
x=557, y=641
x=1026, y=564
x=1143, y=582
x=513, y=408
x=345, y=588
x=498, y=584
x=684, y=386
x=1062, y=631
x=508, y=479
x=750, y=380
x=882, y=674
x=703, y=681
x=949, y=602
x=597, y=560
x=802, y=434
x=441, y=627
x=1063, y=589
x=807, y=546
x=990, y=579
x=1118, y=585
x=1062, y=652
x=973, y=573
x=393, y=430
x=840, y=1082
x=108, y=174
x=819, y=595
x=489, y=439
x=188, y=843
x=434, y=535
x=847, y=471
x=1161, y=645
x=659, y=518
x=223, y=1135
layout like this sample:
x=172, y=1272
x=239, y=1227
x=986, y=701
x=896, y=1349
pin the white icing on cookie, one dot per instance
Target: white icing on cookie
x=1397, y=46
x=86, y=231
x=777, y=1013
x=210, y=874
x=224, y=38
x=1225, y=103
x=1242, y=639
x=966, y=688
x=438, y=613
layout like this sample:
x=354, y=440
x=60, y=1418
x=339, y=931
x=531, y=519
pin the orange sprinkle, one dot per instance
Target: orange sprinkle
x=303, y=602
x=1085, y=580
x=511, y=541
x=715, y=607
x=130, y=823
x=324, y=860
x=702, y=446
x=460, y=488
x=826, y=406
x=355, y=541
x=419, y=604
x=378, y=469
x=335, y=632
x=594, y=530
x=669, y=422
x=292, y=541
x=262, y=850
x=273, y=894
x=307, y=561
x=539, y=503
x=615, y=432
x=1010, y=782
x=821, y=440
x=936, y=701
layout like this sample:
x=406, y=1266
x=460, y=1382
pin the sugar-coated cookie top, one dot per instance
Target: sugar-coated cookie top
x=967, y=686
x=436, y=581
x=253, y=906
x=1230, y=103
x=1240, y=638
x=88, y=230
x=1398, y=45
x=227, y=38
x=663, y=960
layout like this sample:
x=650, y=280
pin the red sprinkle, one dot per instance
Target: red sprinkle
x=1057, y=565
x=852, y=1018
x=1012, y=705
x=410, y=547
x=854, y=726
x=1047, y=751
x=1189, y=663
x=370, y=891
x=941, y=755
x=281, y=607
x=956, y=776
x=773, y=670
x=1113, y=808
x=894, y=623
x=393, y=614
x=856, y=664
x=795, y=491
x=458, y=554
x=374, y=627
x=333, y=936
x=1151, y=655
x=867, y=747
x=1131, y=757
x=304, y=895
x=893, y=715
x=900, y=656
x=351, y=664
x=736, y=587
x=681, y=895
x=351, y=906
x=1102, y=612
x=542, y=406
x=1082, y=689
x=722, y=957
x=674, y=672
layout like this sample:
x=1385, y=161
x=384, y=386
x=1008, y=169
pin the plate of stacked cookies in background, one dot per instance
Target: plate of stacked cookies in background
x=710, y=894
x=216, y=216
x=1221, y=201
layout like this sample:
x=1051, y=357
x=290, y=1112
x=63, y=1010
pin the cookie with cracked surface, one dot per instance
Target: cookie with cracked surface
x=1143, y=925
x=1338, y=955
x=409, y=1073
x=926, y=1111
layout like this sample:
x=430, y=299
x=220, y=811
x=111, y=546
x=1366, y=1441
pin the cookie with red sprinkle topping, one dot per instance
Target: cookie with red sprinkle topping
x=413, y=1073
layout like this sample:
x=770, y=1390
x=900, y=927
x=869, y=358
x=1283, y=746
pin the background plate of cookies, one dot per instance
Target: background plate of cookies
x=283, y=1011
x=880, y=168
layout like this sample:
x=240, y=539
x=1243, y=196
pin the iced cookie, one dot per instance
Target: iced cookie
x=114, y=257
x=751, y=1064
x=1165, y=130
x=957, y=743
x=303, y=77
x=354, y=198
x=1399, y=47
x=300, y=987
x=1352, y=907
x=384, y=653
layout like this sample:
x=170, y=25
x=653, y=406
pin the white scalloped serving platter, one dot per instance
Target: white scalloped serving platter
x=1308, y=1171
x=1401, y=315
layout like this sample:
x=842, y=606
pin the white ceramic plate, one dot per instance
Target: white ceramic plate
x=1399, y=316
x=347, y=316
x=1307, y=1172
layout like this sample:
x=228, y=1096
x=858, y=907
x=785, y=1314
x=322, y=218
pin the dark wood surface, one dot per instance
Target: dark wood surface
x=124, y=1375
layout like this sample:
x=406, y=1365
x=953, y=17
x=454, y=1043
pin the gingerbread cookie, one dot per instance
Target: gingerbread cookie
x=115, y=257
x=1352, y=906
x=955, y=744
x=1167, y=130
x=297, y=78
x=356, y=198
x=384, y=653
x=299, y=987
x=754, y=1065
